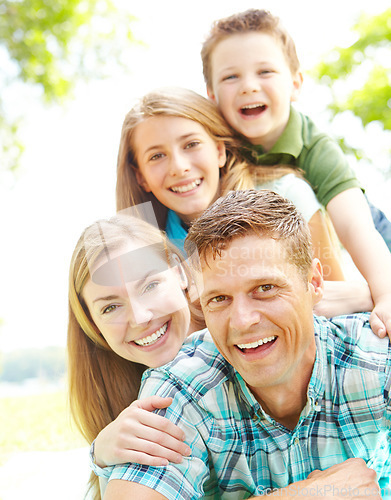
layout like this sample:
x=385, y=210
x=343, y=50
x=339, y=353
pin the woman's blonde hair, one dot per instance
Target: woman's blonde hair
x=182, y=103
x=101, y=383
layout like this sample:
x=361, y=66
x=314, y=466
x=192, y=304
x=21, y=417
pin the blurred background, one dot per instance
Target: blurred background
x=69, y=72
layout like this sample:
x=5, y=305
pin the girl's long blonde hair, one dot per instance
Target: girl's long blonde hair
x=101, y=383
x=182, y=103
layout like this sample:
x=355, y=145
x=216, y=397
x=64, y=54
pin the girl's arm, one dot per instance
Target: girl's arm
x=137, y=435
x=325, y=248
x=353, y=223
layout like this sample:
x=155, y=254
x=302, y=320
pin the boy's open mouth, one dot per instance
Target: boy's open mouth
x=253, y=109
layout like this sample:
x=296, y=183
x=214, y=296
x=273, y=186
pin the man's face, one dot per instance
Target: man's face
x=253, y=86
x=258, y=308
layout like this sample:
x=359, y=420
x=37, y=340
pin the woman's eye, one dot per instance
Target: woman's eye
x=109, y=309
x=151, y=286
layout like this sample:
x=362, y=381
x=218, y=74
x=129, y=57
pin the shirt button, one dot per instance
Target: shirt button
x=297, y=441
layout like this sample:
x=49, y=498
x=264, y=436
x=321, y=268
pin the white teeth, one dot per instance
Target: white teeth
x=253, y=345
x=188, y=187
x=151, y=339
x=253, y=106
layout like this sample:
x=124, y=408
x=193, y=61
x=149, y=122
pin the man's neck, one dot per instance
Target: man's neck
x=285, y=402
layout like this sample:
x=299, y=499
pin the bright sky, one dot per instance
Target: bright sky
x=67, y=178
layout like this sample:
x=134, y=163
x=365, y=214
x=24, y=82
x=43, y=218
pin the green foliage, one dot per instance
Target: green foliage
x=359, y=76
x=51, y=44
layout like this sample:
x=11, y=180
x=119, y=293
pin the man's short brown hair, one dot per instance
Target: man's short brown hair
x=245, y=22
x=252, y=212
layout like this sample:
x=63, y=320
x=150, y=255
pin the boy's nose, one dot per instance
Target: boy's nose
x=250, y=84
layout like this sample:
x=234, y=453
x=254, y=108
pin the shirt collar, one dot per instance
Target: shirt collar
x=287, y=148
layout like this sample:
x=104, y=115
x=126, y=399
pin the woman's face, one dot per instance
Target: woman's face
x=179, y=162
x=138, y=304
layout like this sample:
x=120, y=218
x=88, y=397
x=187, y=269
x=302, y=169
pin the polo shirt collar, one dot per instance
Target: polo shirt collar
x=285, y=150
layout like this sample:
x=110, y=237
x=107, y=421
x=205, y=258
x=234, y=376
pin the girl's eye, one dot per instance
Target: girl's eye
x=192, y=144
x=156, y=156
x=109, y=309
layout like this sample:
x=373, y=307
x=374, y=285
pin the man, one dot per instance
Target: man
x=280, y=395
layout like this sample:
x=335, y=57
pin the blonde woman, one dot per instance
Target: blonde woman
x=128, y=310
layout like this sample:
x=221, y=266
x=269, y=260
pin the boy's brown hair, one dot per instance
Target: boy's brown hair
x=252, y=20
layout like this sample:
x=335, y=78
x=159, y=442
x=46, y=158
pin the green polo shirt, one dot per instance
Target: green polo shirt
x=302, y=145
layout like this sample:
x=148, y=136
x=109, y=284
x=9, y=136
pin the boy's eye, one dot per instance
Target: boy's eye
x=218, y=299
x=229, y=77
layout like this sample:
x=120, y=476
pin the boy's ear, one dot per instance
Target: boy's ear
x=210, y=93
x=222, y=154
x=142, y=182
x=297, y=84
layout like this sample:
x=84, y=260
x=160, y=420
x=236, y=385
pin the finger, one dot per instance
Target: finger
x=377, y=326
x=152, y=403
x=155, y=446
x=161, y=439
x=160, y=423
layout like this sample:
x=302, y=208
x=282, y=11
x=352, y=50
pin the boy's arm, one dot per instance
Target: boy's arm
x=125, y=490
x=350, y=214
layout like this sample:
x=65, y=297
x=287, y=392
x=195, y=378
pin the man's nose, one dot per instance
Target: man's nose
x=244, y=313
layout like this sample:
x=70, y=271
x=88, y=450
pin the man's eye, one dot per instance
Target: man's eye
x=265, y=288
x=218, y=299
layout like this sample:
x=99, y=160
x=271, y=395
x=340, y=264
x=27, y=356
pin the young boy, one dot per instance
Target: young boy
x=252, y=72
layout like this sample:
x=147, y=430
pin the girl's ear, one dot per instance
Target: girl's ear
x=222, y=154
x=142, y=182
x=184, y=283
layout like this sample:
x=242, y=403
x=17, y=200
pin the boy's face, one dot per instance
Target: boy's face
x=253, y=86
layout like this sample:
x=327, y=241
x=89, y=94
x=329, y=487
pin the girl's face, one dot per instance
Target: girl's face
x=178, y=161
x=140, y=308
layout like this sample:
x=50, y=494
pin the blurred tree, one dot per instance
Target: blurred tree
x=359, y=76
x=51, y=44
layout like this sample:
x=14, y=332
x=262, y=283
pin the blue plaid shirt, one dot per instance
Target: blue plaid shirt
x=238, y=451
